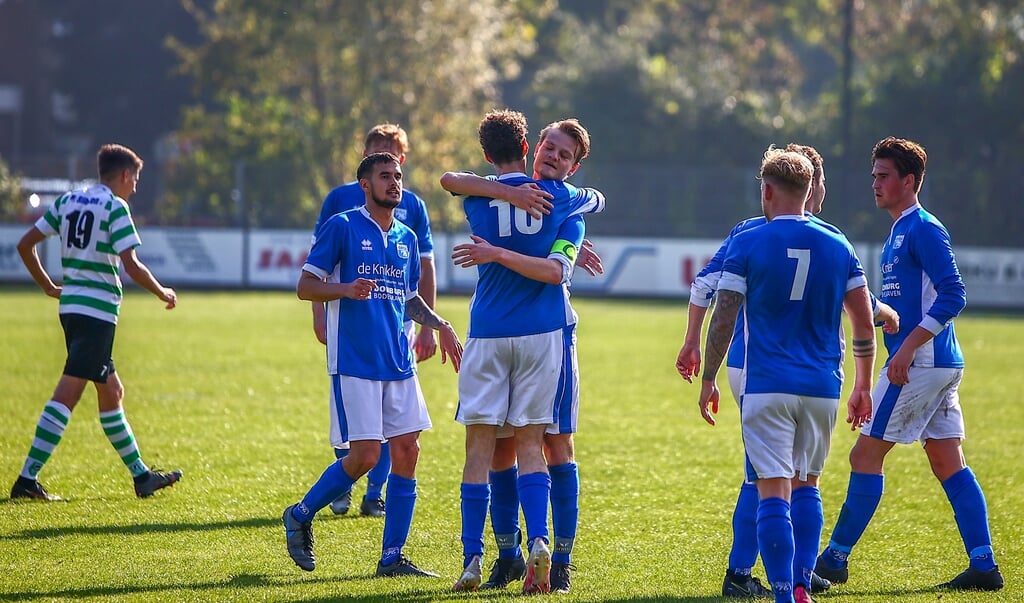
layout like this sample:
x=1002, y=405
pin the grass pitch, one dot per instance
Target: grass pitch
x=231, y=388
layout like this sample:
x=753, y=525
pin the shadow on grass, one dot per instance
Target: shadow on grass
x=145, y=528
x=233, y=583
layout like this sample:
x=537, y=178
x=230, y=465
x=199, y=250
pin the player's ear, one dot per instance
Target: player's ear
x=526, y=148
x=487, y=158
x=572, y=170
x=401, y=158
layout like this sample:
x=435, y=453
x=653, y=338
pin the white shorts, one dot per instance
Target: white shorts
x=737, y=377
x=337, y=439
x=928, y=407
x=567, y=396
x=786, y=435
x=362, y=409
x=510, y=380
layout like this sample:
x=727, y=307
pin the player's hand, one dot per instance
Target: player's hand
x=531, y=198
x=320, y=330
x=425, y=344
x=858, y=408
x=887, y=318
x=898, y=371
x=451, y=347
x=359, y=289
x=170, y=297
x=688, y=361
x=589, y=260
x=476, y=253
x=708, y=400
x=54, y=291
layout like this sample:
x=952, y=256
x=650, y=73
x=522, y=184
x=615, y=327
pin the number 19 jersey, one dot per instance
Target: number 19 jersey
x=95, y=226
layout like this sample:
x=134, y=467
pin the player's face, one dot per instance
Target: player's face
x=385, y=146
x=126, y=183
x=555, y=156
x=890, y=190
x=385, y=185
x=816, y=197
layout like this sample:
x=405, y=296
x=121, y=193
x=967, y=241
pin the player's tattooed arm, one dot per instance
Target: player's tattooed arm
x=723, y=321
x=418, y=310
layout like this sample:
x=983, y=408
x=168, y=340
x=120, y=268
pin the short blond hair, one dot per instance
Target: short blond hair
x=391, y=135
x=788, y=170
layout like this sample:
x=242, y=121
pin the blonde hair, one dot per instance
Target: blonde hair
x=788, y=170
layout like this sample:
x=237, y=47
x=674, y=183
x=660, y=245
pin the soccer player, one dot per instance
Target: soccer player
x=521, y=336
x=792, y=278
x=365, y=266
x=739, y=581
x=917, y=394
x=97, y=237
x=561, y=148
x=411, y=211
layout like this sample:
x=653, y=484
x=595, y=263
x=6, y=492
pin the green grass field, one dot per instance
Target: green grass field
x=231, y=388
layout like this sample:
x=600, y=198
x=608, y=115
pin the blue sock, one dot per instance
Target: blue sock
x=971, y=514
x=775, y=539
x=333, y=483
x=808, y=521
x=565, y=509
x=862, y=498
x=379, y=474
x=475, y=498
x=743, y=554
x=534, y=493
x=398, y=519
x=505, y=512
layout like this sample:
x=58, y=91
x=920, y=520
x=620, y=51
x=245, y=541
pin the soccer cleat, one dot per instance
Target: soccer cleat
x=743, y=586
x=834, y=576
x=560, y=578
x=974, y=579
x=538, y=569
x=341, y=505
x=471, y=577
x=30, y=488
x=819, y=584
x=800, y=595
x=151, y=481
x=372, y=507
x=402, y=567
x=505, y=572
x=299, y=536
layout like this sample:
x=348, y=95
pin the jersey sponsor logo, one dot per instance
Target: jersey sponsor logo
x=403, y=250
x=381, y=270
x=367, y=245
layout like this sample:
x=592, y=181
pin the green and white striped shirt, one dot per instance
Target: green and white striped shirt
x=95, y=226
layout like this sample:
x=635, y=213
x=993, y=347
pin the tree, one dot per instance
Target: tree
x=295, y=91
x=12, y=205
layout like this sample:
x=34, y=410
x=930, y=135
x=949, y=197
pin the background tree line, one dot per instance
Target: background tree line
x=680, y=97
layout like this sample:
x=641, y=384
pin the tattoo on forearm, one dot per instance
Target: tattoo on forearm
x=863, y=348
x=723, y=321
x=420, y=312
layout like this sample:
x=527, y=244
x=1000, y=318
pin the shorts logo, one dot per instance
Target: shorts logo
x=897, y=242
x=403, y=250
x=367, y=245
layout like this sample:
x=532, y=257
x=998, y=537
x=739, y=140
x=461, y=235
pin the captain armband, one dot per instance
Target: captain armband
x=565, y=248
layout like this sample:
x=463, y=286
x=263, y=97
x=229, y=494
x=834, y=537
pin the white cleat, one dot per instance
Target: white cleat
x=471, y=577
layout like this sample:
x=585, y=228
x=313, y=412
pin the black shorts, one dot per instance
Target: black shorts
x=90, y=345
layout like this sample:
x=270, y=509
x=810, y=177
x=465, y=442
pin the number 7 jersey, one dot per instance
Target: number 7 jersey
x=506, y=303
x=95, y=226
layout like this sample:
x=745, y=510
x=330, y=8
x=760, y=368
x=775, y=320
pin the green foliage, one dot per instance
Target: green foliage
x=231, y=388
x=12, y=205
x=296, y=89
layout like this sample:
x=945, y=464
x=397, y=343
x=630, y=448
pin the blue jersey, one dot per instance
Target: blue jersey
x=706, y=282
x=366, y=338
x=795, y=274
x=506, y=303
x=921, y=281
x=411, y=211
